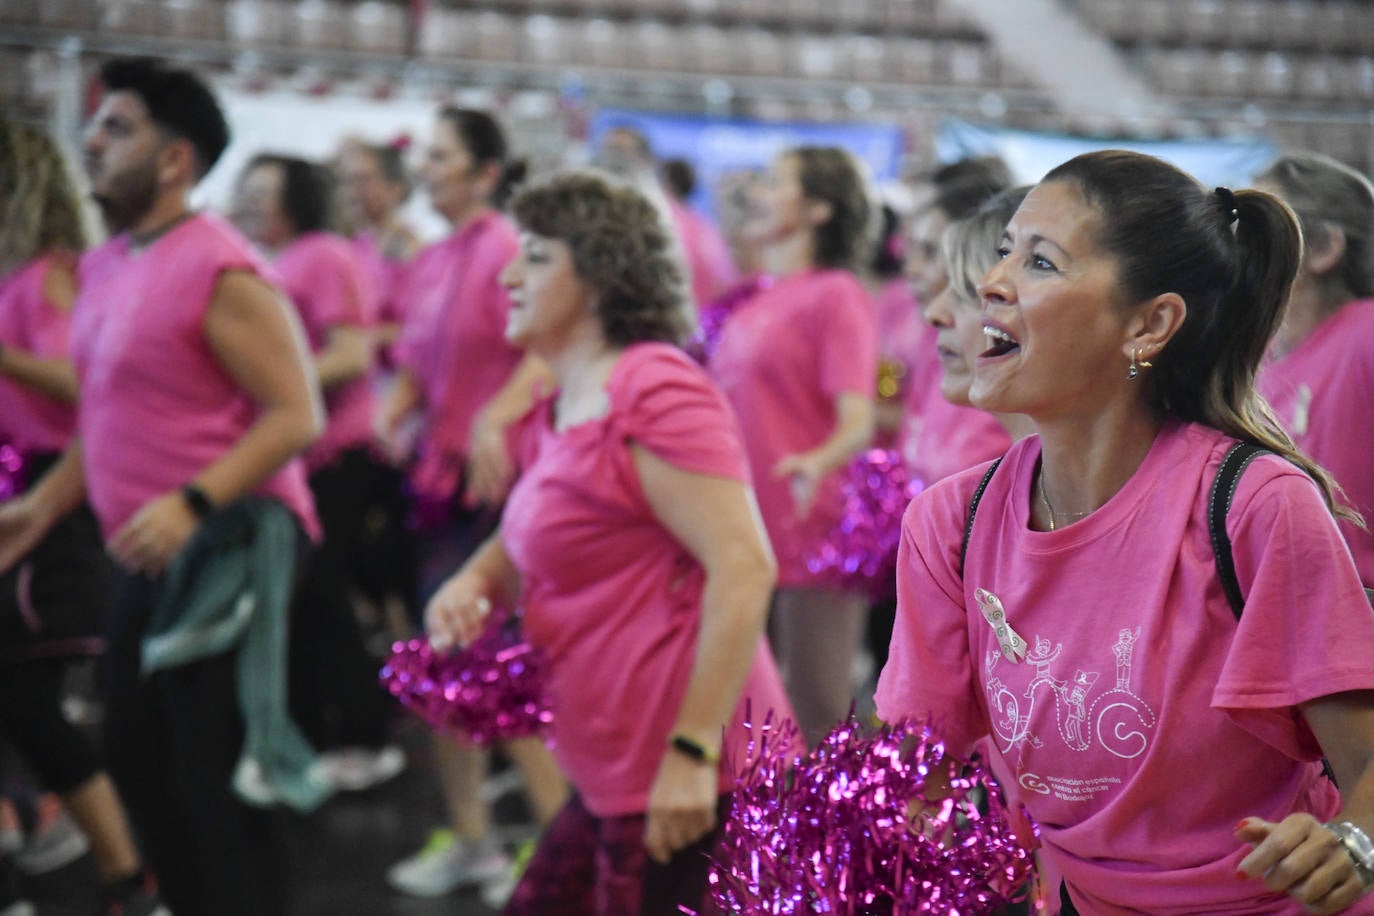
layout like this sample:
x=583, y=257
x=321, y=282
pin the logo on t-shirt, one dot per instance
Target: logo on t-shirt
x=1033, y=703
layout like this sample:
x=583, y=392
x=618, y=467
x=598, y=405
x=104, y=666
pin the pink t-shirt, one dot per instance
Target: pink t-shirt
x=322, y=277
x=1138, y=723
x=156, y=405
x=387, y=276
x=609, y=593
x=944, y=439
x=903, y=335
x=29, y=421
x=922, y=384
x=1323, y=393
x=784, y=357
x=708, y=257
x=454, y=341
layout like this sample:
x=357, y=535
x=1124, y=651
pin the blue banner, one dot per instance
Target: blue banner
x=1029, y=155
x=717, y=147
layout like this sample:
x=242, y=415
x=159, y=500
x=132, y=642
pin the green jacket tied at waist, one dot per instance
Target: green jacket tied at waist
x=230, y=590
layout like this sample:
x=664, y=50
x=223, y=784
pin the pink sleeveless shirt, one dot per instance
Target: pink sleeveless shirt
x=156, y=405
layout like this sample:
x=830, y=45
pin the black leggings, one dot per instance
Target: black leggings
x=31, y=717
x=172, y=742
x=335, y=695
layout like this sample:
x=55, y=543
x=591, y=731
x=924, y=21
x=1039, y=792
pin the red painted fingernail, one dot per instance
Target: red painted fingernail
x=1242, y=825
x=1241, y=876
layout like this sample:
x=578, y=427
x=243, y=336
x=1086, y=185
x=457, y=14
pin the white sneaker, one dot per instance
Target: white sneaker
x=55, y=843
x=445, y=864
x=354, y=769
x=496, y=893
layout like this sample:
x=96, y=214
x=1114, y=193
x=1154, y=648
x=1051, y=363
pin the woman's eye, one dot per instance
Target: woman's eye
x=1002, y=251
x=1040, y=262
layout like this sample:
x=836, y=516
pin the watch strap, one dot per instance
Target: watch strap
x=693, y=748
x=198, y=502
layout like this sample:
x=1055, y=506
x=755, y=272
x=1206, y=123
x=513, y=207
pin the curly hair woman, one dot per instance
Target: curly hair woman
x=643, y=567
x=53, y=597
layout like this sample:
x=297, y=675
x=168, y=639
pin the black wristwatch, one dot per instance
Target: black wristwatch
x=197, y=501
x=694, y=749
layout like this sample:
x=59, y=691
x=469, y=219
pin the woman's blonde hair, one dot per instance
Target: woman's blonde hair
x=39, y=207
x=1325, y=194
x=970, y=244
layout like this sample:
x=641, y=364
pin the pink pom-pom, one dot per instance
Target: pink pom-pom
x=492, y=690
x=831, y=832
x=860, y=552
x=711, y=319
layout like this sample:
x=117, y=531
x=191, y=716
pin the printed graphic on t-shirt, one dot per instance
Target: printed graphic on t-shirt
x=1091, y=714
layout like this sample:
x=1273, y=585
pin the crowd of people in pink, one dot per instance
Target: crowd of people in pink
x=1131, y=582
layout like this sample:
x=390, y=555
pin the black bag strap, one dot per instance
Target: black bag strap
x=973, y=508
x=1237, y=459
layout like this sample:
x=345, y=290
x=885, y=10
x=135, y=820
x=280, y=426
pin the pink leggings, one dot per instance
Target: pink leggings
x=598, y=866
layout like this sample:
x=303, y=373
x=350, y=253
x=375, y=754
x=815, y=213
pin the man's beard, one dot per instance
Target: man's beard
x=133, y=194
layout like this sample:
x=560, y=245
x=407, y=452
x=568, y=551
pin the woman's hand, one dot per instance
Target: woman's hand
x=804, y=470
x=150, y=540
x=490, y=470
x=1301, y=858
x=458, y=612
x=21, y=530
x=682, y=805
x=388, y=424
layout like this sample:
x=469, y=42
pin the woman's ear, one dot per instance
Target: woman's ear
x=818, y=212
x=1157, y=322
x=1323, y=250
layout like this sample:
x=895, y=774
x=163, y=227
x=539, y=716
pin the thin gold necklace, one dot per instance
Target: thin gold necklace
x=1044, y=497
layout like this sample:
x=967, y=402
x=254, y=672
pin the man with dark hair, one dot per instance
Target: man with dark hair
x=177, y=101
x=194, y=393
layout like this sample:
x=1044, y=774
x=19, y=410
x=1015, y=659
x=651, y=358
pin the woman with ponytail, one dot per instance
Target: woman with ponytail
x=465, y=384
x=1320, y=376
x=1169, y=745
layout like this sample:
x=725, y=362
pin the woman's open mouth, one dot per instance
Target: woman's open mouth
x=1000, y=343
